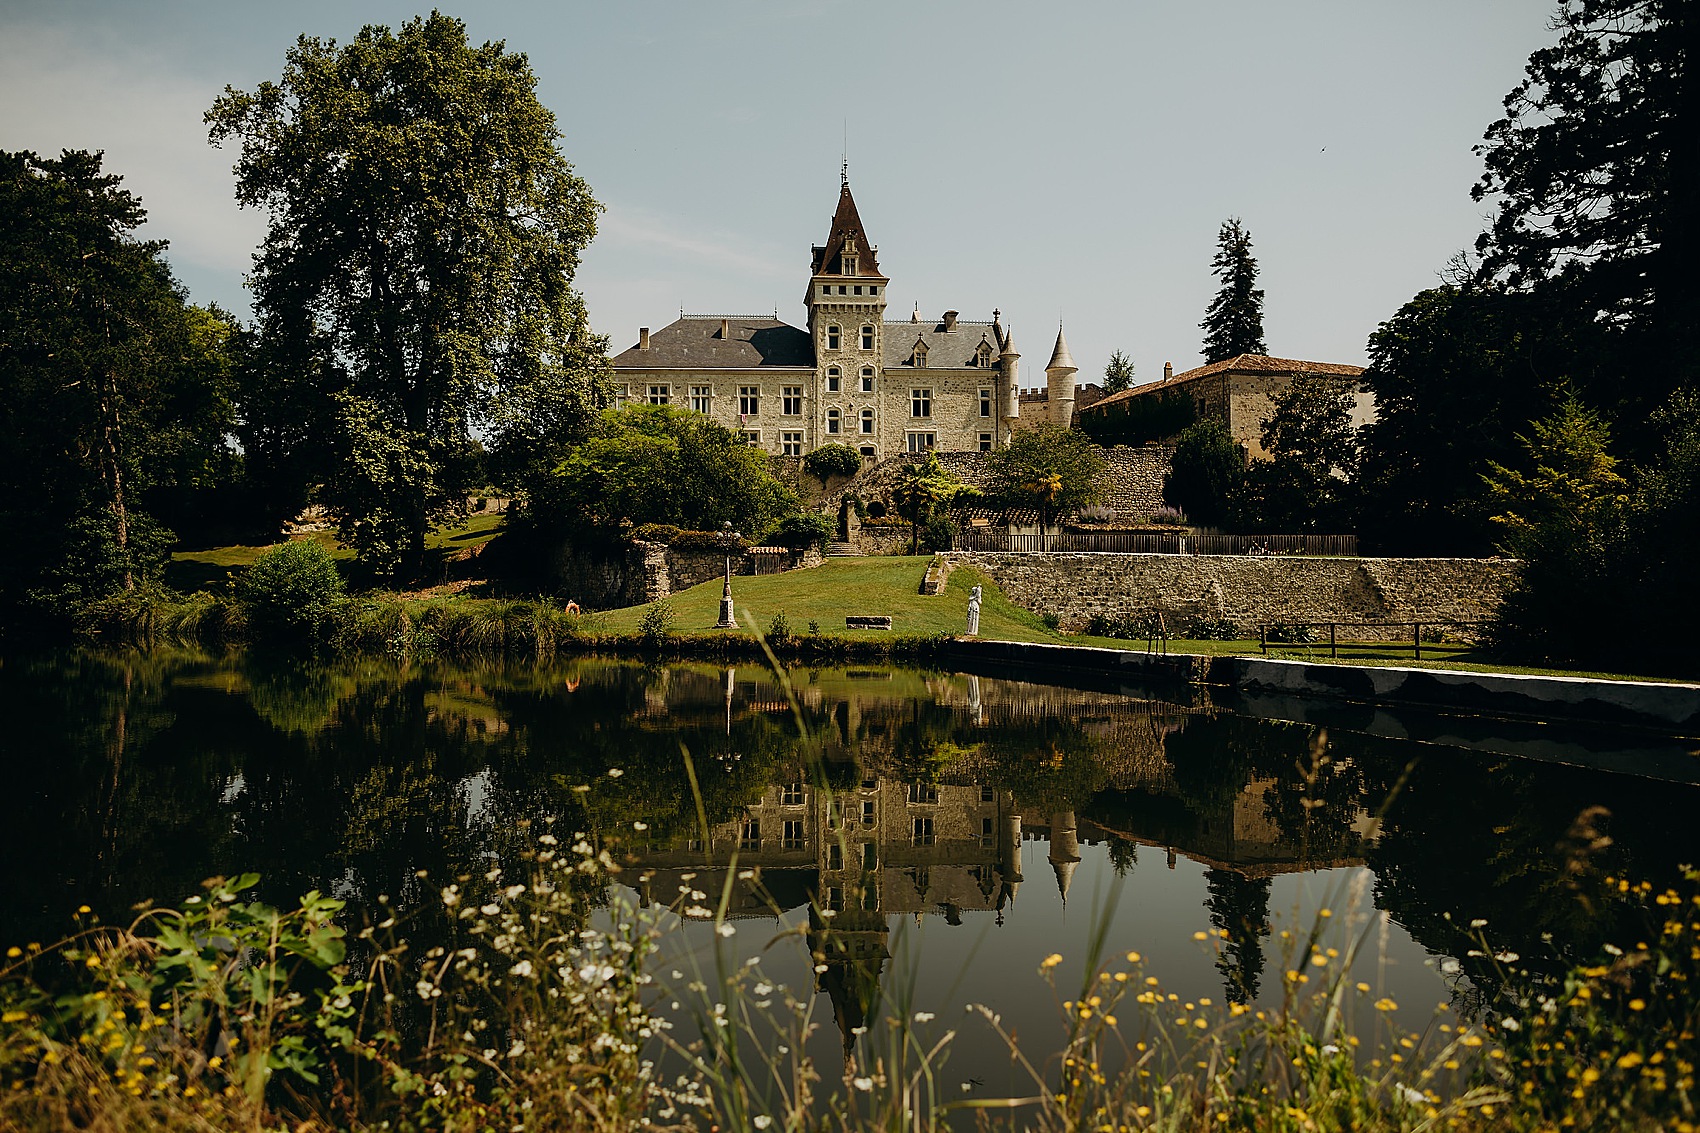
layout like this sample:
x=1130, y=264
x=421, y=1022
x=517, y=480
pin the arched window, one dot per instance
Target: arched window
x=833, y=421
x=867, y=422
x=833, y=379
x=867, y=338
x=983, y=355
x=832, y=338
x=920, y=358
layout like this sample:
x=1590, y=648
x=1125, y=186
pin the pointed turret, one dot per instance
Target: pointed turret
x=846, y=240
x=1065, y=850
x=1059, y=374
x=1009, y=379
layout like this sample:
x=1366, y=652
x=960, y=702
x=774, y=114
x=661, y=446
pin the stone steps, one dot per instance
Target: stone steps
x=841, y=550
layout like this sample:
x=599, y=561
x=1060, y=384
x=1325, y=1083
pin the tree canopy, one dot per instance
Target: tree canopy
x=414, y=284
x=1595, y=173
x=1233, y=323
x=1054, y=469
x=1205, y=472
x=662, y=464
x=1313, y=449
x=111, y=385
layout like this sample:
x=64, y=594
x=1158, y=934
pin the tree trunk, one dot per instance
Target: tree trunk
x=113, y=474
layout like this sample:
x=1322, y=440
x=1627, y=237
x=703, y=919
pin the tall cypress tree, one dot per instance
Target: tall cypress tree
x=1233, y=324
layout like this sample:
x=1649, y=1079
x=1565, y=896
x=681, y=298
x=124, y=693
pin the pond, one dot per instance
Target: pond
x=914, y=838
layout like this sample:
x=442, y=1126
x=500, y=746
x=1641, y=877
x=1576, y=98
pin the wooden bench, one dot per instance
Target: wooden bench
x=867, y=622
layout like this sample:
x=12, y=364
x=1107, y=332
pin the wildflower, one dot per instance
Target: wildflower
x=1386, y=1004
x=724, y=929
x=451, y=895
x=1478, y=923
x=490, y=910
x=14, y=952
x=924, y=1016
x=820, y=969
x=1449, y=966
x=517, y=1049
x=513, y=891
x=615, y=773
x=1133, y=957
x=1412, y=1095
x=761, y=1121
x=1050, y=961
x=640, y=826
x=1201, y=936
x=1638, y=1005
x=863, y=1084
x=522, y=969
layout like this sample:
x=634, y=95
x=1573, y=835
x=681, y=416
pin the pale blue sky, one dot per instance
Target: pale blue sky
x=1067, y=159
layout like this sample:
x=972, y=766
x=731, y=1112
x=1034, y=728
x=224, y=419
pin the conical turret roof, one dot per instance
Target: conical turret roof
x=1059, y=357
x=846, y=236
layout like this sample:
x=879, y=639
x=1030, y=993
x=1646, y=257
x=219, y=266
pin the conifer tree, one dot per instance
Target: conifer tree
x=1233, y=324
x=1118, y=373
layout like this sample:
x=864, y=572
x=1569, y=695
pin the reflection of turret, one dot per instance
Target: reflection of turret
x=851, y=945
x=1009, y=861
x=1065, y=850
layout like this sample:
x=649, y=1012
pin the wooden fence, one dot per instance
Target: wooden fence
x=1272, y=634
x=1158, y=543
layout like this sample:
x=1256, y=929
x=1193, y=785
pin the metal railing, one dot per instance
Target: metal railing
x=1157, y=543
x=1335, y=643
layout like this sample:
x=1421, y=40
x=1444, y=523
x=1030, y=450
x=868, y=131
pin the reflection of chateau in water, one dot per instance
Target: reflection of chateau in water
x=870, y=842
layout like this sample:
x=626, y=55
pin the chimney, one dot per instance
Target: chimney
x=950, y=320
x=643, y=338
x=1168, y=370
x=725, y=329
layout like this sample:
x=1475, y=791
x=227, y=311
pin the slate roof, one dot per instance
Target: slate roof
x=694, y=343
x=846, y=231
x=946, y=350
x=1240, y=364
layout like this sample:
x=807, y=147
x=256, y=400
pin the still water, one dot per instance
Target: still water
x=952, y=830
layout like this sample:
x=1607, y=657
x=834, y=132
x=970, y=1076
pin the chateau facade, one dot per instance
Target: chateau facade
x=851, y=377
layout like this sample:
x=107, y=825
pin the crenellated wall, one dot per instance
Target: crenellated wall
x=1246, y=590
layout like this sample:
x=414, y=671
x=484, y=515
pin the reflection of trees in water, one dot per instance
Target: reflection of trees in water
x=1239, y=907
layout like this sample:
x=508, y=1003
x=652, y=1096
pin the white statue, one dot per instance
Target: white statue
x=974, y=612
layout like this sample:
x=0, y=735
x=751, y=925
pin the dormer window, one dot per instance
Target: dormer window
x=920, y=358
x=849, y=261
x=983, y=354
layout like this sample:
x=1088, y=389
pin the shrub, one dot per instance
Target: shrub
x=1169, y=517
x=832, y=460
x=1096, y=514
x=1292, y=634
x=779, y=629
x=656, y=532
x=1206, y=472
x=938, y=534
x=1050, y=620
x=289, y=590
x=706, y=541
x=657, y=623
x=805, y=529
x=1212, y=629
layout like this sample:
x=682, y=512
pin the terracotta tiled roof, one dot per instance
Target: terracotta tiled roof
x=846, y=235
x=696, y=344
x=1240, y=364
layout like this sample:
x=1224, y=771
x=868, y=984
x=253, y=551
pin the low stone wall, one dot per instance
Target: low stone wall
x=609, y=578
x=1246, y=591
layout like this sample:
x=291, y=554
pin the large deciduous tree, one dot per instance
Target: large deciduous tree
x=1205, y=472
x=1049, y=467
x=413, y=292
x=1233, y=323
x=1313, y=452
x=1595, y=170
x=109, y=384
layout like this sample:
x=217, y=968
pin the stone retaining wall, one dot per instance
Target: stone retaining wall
x=1245, y=590
x=609, y=578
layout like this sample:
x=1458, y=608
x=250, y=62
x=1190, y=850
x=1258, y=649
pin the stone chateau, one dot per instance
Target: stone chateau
x=853, y=377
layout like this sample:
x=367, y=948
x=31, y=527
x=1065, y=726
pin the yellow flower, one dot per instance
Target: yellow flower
x=1133, y=957
x=1051, y=961
x=1386, y=1004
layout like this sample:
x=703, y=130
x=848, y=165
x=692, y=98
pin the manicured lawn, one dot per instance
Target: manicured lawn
x=840, y=587
x=209, y=569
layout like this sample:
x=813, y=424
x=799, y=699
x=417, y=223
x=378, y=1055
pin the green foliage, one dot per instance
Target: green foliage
x=802, y=530
x=1140, y=420
x=1118, y=373
x=657, y=623
x=1205, y=473
x=1595, y=555
x=779, y=629
x=1568, y=480
x=832, y=460
x=1594, y=185
x=926, y=490
x=661, y=464
x=414, y=282
x=1313, y=449
x=114, y=395
x=1053, y=469
x=290, y=590
x=1233, y=323
x=938, y=534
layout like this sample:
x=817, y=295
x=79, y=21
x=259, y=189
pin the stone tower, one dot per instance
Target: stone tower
x=1059, y=374
x=1009, y=379
x=846, y=302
